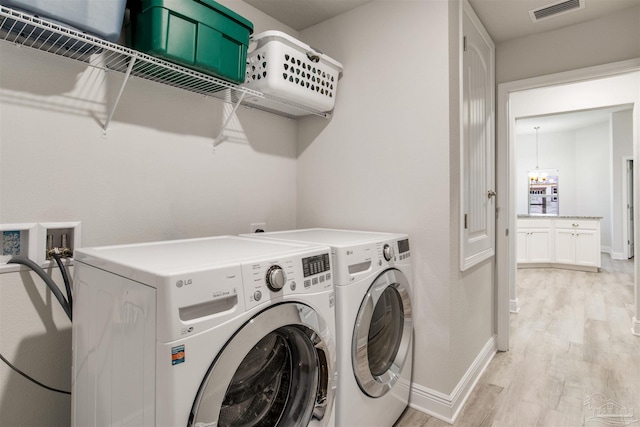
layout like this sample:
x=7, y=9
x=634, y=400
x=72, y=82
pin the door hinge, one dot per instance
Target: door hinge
x=506, y=232
x=464, y=43
x=465, y=221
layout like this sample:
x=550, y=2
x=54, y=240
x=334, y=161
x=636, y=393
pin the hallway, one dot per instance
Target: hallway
x=571, y=351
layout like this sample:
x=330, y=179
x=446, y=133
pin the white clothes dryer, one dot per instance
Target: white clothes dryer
x=373, y=280
x=220, y=331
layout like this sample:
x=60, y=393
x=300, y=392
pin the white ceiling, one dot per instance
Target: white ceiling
x=503, y=19
x=301, y=14
x=509, y=19
x=566, y=121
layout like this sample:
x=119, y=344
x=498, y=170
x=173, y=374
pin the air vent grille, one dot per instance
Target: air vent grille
x=556, y=9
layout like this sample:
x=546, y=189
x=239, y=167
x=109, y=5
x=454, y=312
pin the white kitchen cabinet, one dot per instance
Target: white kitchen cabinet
x=565, y=246
x=559, y=242
x=534, y=246
x=577, y=242
x=535, y=241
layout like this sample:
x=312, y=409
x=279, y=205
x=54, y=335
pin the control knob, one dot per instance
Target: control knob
x=388, y=252
x=276, y=278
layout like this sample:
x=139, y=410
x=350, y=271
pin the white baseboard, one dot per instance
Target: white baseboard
x=614, y=255
x=447, y=407
x=618, y=255
x=514, y=307
x=635, y=327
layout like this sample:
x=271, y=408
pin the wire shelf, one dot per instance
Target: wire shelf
x=32, y=32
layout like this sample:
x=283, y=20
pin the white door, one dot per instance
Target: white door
x=477, y=222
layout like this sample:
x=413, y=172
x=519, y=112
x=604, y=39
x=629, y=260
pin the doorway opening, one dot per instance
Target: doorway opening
x=596, y=87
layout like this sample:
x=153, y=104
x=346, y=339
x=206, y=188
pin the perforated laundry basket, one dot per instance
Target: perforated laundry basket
x=286, y=68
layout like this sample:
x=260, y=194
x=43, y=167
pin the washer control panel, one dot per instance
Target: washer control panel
x=275, y=279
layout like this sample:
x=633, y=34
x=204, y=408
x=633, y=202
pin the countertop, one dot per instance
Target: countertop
x=558, y=217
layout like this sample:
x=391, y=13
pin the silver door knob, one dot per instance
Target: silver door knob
x=491, y=194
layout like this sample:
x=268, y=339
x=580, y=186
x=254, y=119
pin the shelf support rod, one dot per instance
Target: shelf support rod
x=221, y=138
x=132, y=61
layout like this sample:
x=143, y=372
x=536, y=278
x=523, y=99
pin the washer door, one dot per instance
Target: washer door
x=277, y=370
x=382, y=334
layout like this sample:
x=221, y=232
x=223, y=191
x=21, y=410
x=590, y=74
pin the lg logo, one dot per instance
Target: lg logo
x=181, y=283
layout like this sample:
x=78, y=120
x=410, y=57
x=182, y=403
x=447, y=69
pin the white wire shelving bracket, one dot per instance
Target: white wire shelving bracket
x=26, y=30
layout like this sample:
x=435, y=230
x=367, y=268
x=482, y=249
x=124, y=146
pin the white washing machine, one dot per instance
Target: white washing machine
x=372, y=276
x=221, y=331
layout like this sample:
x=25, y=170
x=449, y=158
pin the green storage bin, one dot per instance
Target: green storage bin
x=199, y=34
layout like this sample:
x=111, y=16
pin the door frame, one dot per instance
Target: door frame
x=626, y=236
x=505, y=179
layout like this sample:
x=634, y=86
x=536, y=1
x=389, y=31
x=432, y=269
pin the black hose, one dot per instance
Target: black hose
x=33, y=380
x=49, y=282
x=65, y=278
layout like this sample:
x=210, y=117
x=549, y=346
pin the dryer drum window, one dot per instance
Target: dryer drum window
x=277, y=370
x=382, y=334
x=385, y=332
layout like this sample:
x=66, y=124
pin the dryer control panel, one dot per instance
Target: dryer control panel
x=355, y=261
x=394, y=250
x=403, y=249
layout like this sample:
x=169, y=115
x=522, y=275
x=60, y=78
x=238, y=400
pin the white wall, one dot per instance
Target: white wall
x=593, y=176
x=583, y=158
x=622, y=140
x=594, y=93
x=389, y=159
x=600, y=41
x=372, y=155
x=556, y=150
x=155, y=176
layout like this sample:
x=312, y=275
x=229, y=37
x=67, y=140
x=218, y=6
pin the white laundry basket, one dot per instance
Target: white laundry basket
x=290, y=70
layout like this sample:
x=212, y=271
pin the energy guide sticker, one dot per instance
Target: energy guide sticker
x=177, y=355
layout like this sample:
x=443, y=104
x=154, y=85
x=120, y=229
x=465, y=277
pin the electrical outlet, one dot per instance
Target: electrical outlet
x=62, y=235
x=258, y=227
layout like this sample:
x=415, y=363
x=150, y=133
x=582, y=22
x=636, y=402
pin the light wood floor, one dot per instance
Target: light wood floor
x=571, y=341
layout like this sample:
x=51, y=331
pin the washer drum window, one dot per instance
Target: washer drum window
x=284, y=379
x=382, y=334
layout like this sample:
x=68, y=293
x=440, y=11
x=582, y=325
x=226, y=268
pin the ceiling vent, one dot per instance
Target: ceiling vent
x=555, y=9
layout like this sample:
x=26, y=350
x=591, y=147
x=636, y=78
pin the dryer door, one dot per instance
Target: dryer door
x=382, y=334
x=277, y=370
